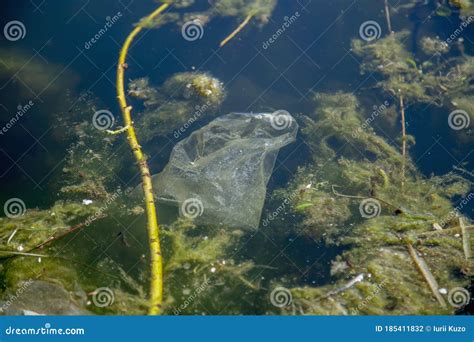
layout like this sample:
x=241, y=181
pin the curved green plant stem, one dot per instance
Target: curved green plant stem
x=237, y=30
x=156, y=284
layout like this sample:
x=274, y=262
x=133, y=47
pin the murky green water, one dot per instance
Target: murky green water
x=357, y=218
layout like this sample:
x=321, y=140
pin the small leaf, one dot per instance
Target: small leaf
x=303, y=206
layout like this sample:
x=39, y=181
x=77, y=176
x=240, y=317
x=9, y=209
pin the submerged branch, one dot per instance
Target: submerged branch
x=404, y=139
x=466, y=239
x=156, y=286
x=387, y=16
x=426, y=273
x=362, y=198
x=237, y=30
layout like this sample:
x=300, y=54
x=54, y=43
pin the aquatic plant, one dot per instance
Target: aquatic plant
x=204, y=274
x=168, y=108
x=156, y=285
x=246, y=10
x=394, y=261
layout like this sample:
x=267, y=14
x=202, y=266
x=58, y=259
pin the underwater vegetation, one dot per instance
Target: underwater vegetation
x=192, y=23
x=392, y=251
x=167, y=108
x=396, y=243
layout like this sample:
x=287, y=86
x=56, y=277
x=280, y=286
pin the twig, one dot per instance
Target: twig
x=23, y=254
x=44, y=243
x=69, y=231
x=12, y=235
x=387, y=16
x=404, y=139
x=442, y=232
x=362, y=197
x=156, y=284
x=237, y=30
x=118, y=131
x=426, y=273
x=466, y=239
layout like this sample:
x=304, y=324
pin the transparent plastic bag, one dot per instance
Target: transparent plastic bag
x=219, y=174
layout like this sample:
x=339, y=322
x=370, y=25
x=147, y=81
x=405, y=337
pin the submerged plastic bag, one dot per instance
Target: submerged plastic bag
x=219, y=174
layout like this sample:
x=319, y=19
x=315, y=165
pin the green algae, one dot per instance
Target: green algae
x=260, y=10
x=423, y=81
x=202, y=272
x=182, y=100
x=352, y=167
x=35, y=226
